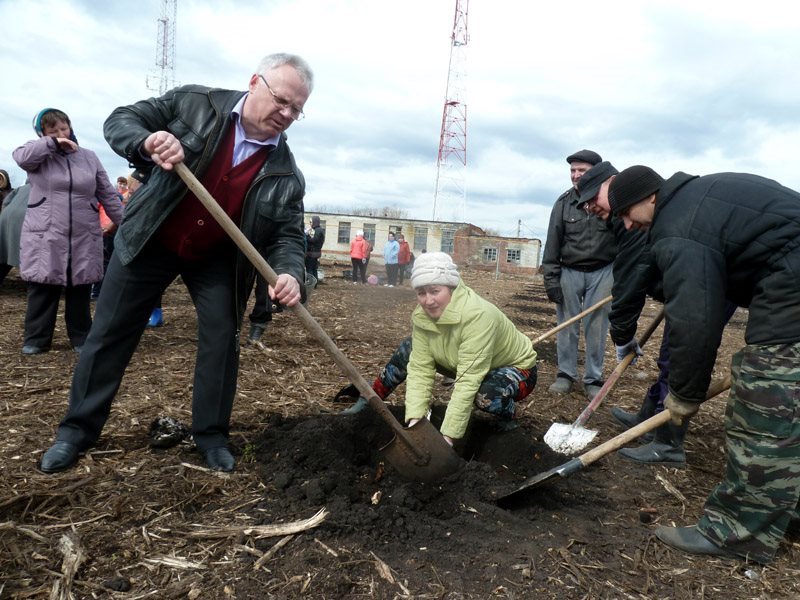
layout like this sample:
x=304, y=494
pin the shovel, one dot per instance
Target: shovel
x=420, y=452
x=587, y=458
x=569, y=439
x=571, y=320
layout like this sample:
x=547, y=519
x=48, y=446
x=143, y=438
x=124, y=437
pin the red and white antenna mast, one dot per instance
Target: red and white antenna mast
x=451, y=191
x=165, y=48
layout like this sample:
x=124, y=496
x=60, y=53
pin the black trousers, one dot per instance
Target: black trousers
x=261, y=314
x=40, y=316
x=121, y=313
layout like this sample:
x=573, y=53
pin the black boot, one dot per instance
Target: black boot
x=665, y=449
x=629, y=419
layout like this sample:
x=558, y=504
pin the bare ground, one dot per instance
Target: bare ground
x=133, y=522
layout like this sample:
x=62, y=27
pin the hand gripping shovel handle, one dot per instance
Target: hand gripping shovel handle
x=572, y=320
x=420, y=457
x=616, y=373
x=593, y=455
x=631, y=434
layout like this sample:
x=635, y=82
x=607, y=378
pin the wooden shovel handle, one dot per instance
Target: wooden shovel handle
x=617, y=372
x=308, y=321
x=572, y=320
x=657, y=420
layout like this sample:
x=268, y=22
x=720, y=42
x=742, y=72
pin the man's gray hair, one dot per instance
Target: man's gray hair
x=273, y=61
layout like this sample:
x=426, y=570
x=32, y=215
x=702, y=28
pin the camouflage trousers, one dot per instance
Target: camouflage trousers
x=748, y=513
x=500, y=390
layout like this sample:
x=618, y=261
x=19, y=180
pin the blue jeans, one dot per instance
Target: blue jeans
x=582, y=290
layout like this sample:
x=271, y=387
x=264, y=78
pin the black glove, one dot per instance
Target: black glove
x=554, y=294
x=348, y=393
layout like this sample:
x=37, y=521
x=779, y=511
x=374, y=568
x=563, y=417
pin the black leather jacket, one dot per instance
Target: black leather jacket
x=272, y=214
x=575, y=240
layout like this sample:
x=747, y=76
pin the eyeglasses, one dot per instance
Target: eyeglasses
x=283, y=103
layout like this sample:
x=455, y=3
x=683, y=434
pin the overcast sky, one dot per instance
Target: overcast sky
x=698, y=86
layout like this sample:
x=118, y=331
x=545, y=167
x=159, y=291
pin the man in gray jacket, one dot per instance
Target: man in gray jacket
x=578, y=263
x=234, y=142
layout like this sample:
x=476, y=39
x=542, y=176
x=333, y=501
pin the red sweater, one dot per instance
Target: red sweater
x=190, y=231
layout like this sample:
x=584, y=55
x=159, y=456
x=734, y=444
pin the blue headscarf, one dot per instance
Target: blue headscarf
x=37, y=123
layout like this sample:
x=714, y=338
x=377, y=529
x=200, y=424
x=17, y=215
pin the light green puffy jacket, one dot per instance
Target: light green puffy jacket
x=470, y=338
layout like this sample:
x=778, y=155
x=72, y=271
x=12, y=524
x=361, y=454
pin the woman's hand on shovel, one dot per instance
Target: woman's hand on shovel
x=680, y=409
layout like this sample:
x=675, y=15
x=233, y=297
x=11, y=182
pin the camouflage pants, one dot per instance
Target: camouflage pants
x=500, y=390
x=747, y=514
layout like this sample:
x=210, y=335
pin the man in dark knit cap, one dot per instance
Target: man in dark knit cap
x=634, y=280
x=577, y=261
x=734, y=235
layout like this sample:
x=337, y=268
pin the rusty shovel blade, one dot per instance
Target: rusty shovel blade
x=439, y=459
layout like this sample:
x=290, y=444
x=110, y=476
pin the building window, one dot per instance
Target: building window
x=420, y=238
x=489, y=254
x=395, y=229
x=369, y=233
x=513, y=256
x=344, y=233
x=448, y=240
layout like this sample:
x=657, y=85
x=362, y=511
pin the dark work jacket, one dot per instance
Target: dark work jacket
x=575, y=240
x=729, y=234
x=634, y=279
x=272, y=213
x=315, y=242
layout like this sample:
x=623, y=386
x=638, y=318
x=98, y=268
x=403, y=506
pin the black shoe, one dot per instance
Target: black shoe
x=59, y=457
x=656, y=453
x=626, y=419
x=348, y=393
x=34, y=350
x=360, y=405
x=219, y=459
x=256, y=331
x=689, y=539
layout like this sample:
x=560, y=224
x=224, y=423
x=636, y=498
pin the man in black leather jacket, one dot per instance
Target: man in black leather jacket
x=234, y=142
x=577, y=274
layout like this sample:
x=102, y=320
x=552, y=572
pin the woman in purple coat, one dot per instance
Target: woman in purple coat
x=62, y=244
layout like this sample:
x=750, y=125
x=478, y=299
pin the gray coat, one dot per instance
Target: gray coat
x=61, y=230
x=11, y=219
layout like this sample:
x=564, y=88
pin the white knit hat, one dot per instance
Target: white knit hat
x=434, y=268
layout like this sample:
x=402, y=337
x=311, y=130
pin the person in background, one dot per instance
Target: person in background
x=235, y=142
x=315, y=238
x=109, y=229
x=403, y=258
x=720, y=237
x=12, y=216
x=391, y=251
x=458, y=334
x=360, y=249
x=577, y=264
x=5, y=186
x=61, y=248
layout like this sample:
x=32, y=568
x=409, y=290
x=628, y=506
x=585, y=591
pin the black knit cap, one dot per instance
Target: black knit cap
x=631, y=186
x=591, y=181
x=587, y=156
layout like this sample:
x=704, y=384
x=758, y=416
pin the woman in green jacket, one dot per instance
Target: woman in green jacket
x=460, y=335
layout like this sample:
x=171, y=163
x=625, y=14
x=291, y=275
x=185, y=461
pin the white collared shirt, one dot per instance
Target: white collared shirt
x=244, y=147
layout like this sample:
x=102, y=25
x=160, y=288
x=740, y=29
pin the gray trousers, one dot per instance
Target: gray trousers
x=582, y=290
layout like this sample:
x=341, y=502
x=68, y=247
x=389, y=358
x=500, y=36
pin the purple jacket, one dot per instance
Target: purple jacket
x=62, y=223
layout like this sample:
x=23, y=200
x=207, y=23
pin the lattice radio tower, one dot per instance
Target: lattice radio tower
x=165, y=49
x=451, y=191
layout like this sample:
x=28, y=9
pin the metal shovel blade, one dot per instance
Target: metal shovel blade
x=568, y=439
x=441, y=460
